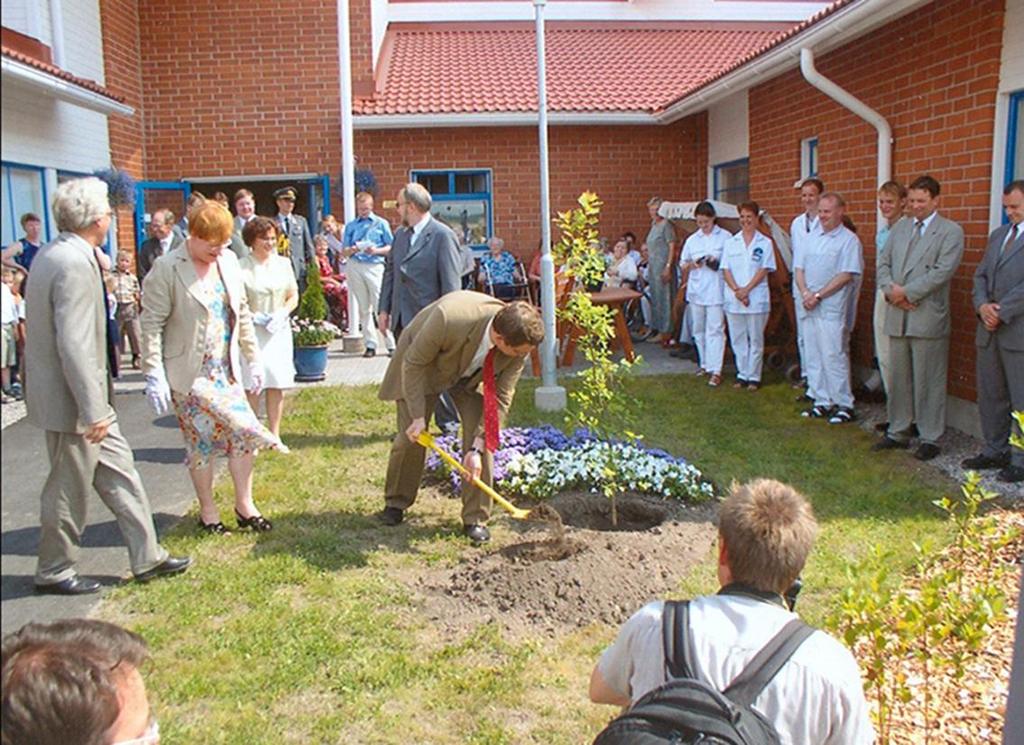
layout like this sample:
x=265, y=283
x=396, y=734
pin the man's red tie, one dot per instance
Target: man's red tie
x=491, y=423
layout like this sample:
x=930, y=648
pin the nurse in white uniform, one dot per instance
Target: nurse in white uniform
x=804, y=228
x=702, y=256
x=826, y=278
x=272, y=294
x=746, y=260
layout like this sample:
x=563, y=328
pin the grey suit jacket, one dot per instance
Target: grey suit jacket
x=300, y=242
x=150, y=252
x=1000, y=279
x=68, y=385
x=418, y=273
x=924, y=271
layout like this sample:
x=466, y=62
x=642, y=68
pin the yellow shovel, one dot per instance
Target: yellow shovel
x=427, y=440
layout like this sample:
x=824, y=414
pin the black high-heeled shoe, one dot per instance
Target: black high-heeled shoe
x=217, y=528
x=257, y=522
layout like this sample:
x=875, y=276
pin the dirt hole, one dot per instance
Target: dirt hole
x=557, y=549
x=594, y=512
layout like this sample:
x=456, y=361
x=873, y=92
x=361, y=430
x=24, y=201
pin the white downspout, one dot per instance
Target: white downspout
x=57, y=34
x=858, y=107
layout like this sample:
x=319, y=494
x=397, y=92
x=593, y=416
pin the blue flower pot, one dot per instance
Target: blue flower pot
x=310, y=363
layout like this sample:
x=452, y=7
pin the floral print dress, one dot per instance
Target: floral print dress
x=215, y=416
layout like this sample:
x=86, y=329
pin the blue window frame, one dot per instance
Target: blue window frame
x=809, y=158
x=732, y=181
x=24, y=190
x=1015, y=138
x=461, y=200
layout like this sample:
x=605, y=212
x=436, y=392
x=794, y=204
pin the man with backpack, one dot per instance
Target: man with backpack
x=782, y=681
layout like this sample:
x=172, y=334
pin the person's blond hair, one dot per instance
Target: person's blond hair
x=768, y=529
x=212, y=222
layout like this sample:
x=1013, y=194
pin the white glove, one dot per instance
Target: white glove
x=278, y=321
x=256, y=381
x=158, y=393
x=261, y=319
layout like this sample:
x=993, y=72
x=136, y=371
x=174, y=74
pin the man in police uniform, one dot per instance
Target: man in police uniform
x=295, y=227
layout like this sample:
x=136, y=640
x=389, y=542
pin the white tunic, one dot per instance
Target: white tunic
x=705, y=285
x=744, y=262
x=825, y=256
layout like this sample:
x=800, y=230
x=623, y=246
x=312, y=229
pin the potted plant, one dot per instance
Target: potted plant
x=311, y=331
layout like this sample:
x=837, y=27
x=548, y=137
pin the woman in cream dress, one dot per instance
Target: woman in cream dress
x=273, y=293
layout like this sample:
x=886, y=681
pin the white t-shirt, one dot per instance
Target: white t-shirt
x=817, y=696
x=744, y=262
x=802, y=230
x=8, y=306
x=825, y=256
x=705, y=285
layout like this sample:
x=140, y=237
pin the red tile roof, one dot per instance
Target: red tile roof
x=59, y=72
x=467, y=68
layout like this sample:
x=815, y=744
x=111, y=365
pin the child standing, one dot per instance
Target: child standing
x=128, y=297
x=8, y=334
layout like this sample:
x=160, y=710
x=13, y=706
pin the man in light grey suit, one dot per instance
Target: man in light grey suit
x=425, y=262
x=70, y=396
x=914, y=271
x=300, y=241
x=999, y=303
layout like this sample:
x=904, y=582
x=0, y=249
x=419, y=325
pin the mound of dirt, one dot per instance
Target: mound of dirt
x=590, y=572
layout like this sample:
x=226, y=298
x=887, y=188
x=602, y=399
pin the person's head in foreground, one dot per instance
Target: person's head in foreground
x=517, y=329
x=75, y=682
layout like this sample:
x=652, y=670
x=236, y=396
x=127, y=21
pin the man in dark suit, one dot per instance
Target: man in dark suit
x=424, y=264
x=473, y=346
x=300, y=240
x=999, y=303
x=914, y=271
x=162, y=240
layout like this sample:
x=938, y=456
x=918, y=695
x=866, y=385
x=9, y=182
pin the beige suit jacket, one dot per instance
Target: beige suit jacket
x=437, y=347
x=175, y=317
x=68, y=386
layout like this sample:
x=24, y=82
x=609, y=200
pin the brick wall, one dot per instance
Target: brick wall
x=624, y=165
x=933, y=74
x=120, y=22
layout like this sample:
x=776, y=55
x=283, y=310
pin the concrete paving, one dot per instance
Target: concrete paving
x=159, y=455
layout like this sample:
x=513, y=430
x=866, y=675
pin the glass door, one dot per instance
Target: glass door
x=151, y=196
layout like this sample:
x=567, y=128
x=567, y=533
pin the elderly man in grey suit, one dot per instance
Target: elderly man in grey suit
x=914, y=271
x=163, y=239
x=300, y=240
x=425, y=262
x=999, y=303
x=70, y=396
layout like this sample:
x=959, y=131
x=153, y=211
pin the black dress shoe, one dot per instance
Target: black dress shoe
x=1011, y=474
x=887, y=443
x=982, y=461
x=391, y=516
x=926, y=451
x=71, y=586
x=476, y=533
x=370, y=352
x=169, y=566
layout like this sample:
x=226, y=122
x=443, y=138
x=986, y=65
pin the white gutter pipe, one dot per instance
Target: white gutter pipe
x=858, y=107
x=19, y=73
x=348, y=178
x=57, y=34
x=502, y=119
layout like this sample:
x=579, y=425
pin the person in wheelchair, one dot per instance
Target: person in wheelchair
x=622, y=271
x=499, y=271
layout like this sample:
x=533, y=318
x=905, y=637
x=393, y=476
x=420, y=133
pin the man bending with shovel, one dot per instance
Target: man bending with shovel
x=473, y=346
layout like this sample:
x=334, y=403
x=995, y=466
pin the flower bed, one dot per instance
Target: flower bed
x=540, y=462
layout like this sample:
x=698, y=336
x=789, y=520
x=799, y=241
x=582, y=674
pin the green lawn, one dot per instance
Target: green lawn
x=310, y=633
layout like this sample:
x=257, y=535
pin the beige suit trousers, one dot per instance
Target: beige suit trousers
x=405, y=466
x=76, y=466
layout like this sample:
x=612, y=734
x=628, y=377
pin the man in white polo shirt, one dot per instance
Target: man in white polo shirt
x=765, y=534
x=826, y=271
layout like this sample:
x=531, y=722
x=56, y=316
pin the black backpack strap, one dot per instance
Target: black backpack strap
x=675, y=634
x=759, y=671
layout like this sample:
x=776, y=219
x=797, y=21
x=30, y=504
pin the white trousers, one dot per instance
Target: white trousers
x=746, y=332
x=828, y=360
x=364, y=281
x=882, y=342
x=801, y=316
x=709, y=335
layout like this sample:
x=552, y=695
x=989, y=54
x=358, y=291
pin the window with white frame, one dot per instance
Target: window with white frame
x=1015, y=138
x=732, y=181
x=461, y=200
x=809, y=158
x=24, y=190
